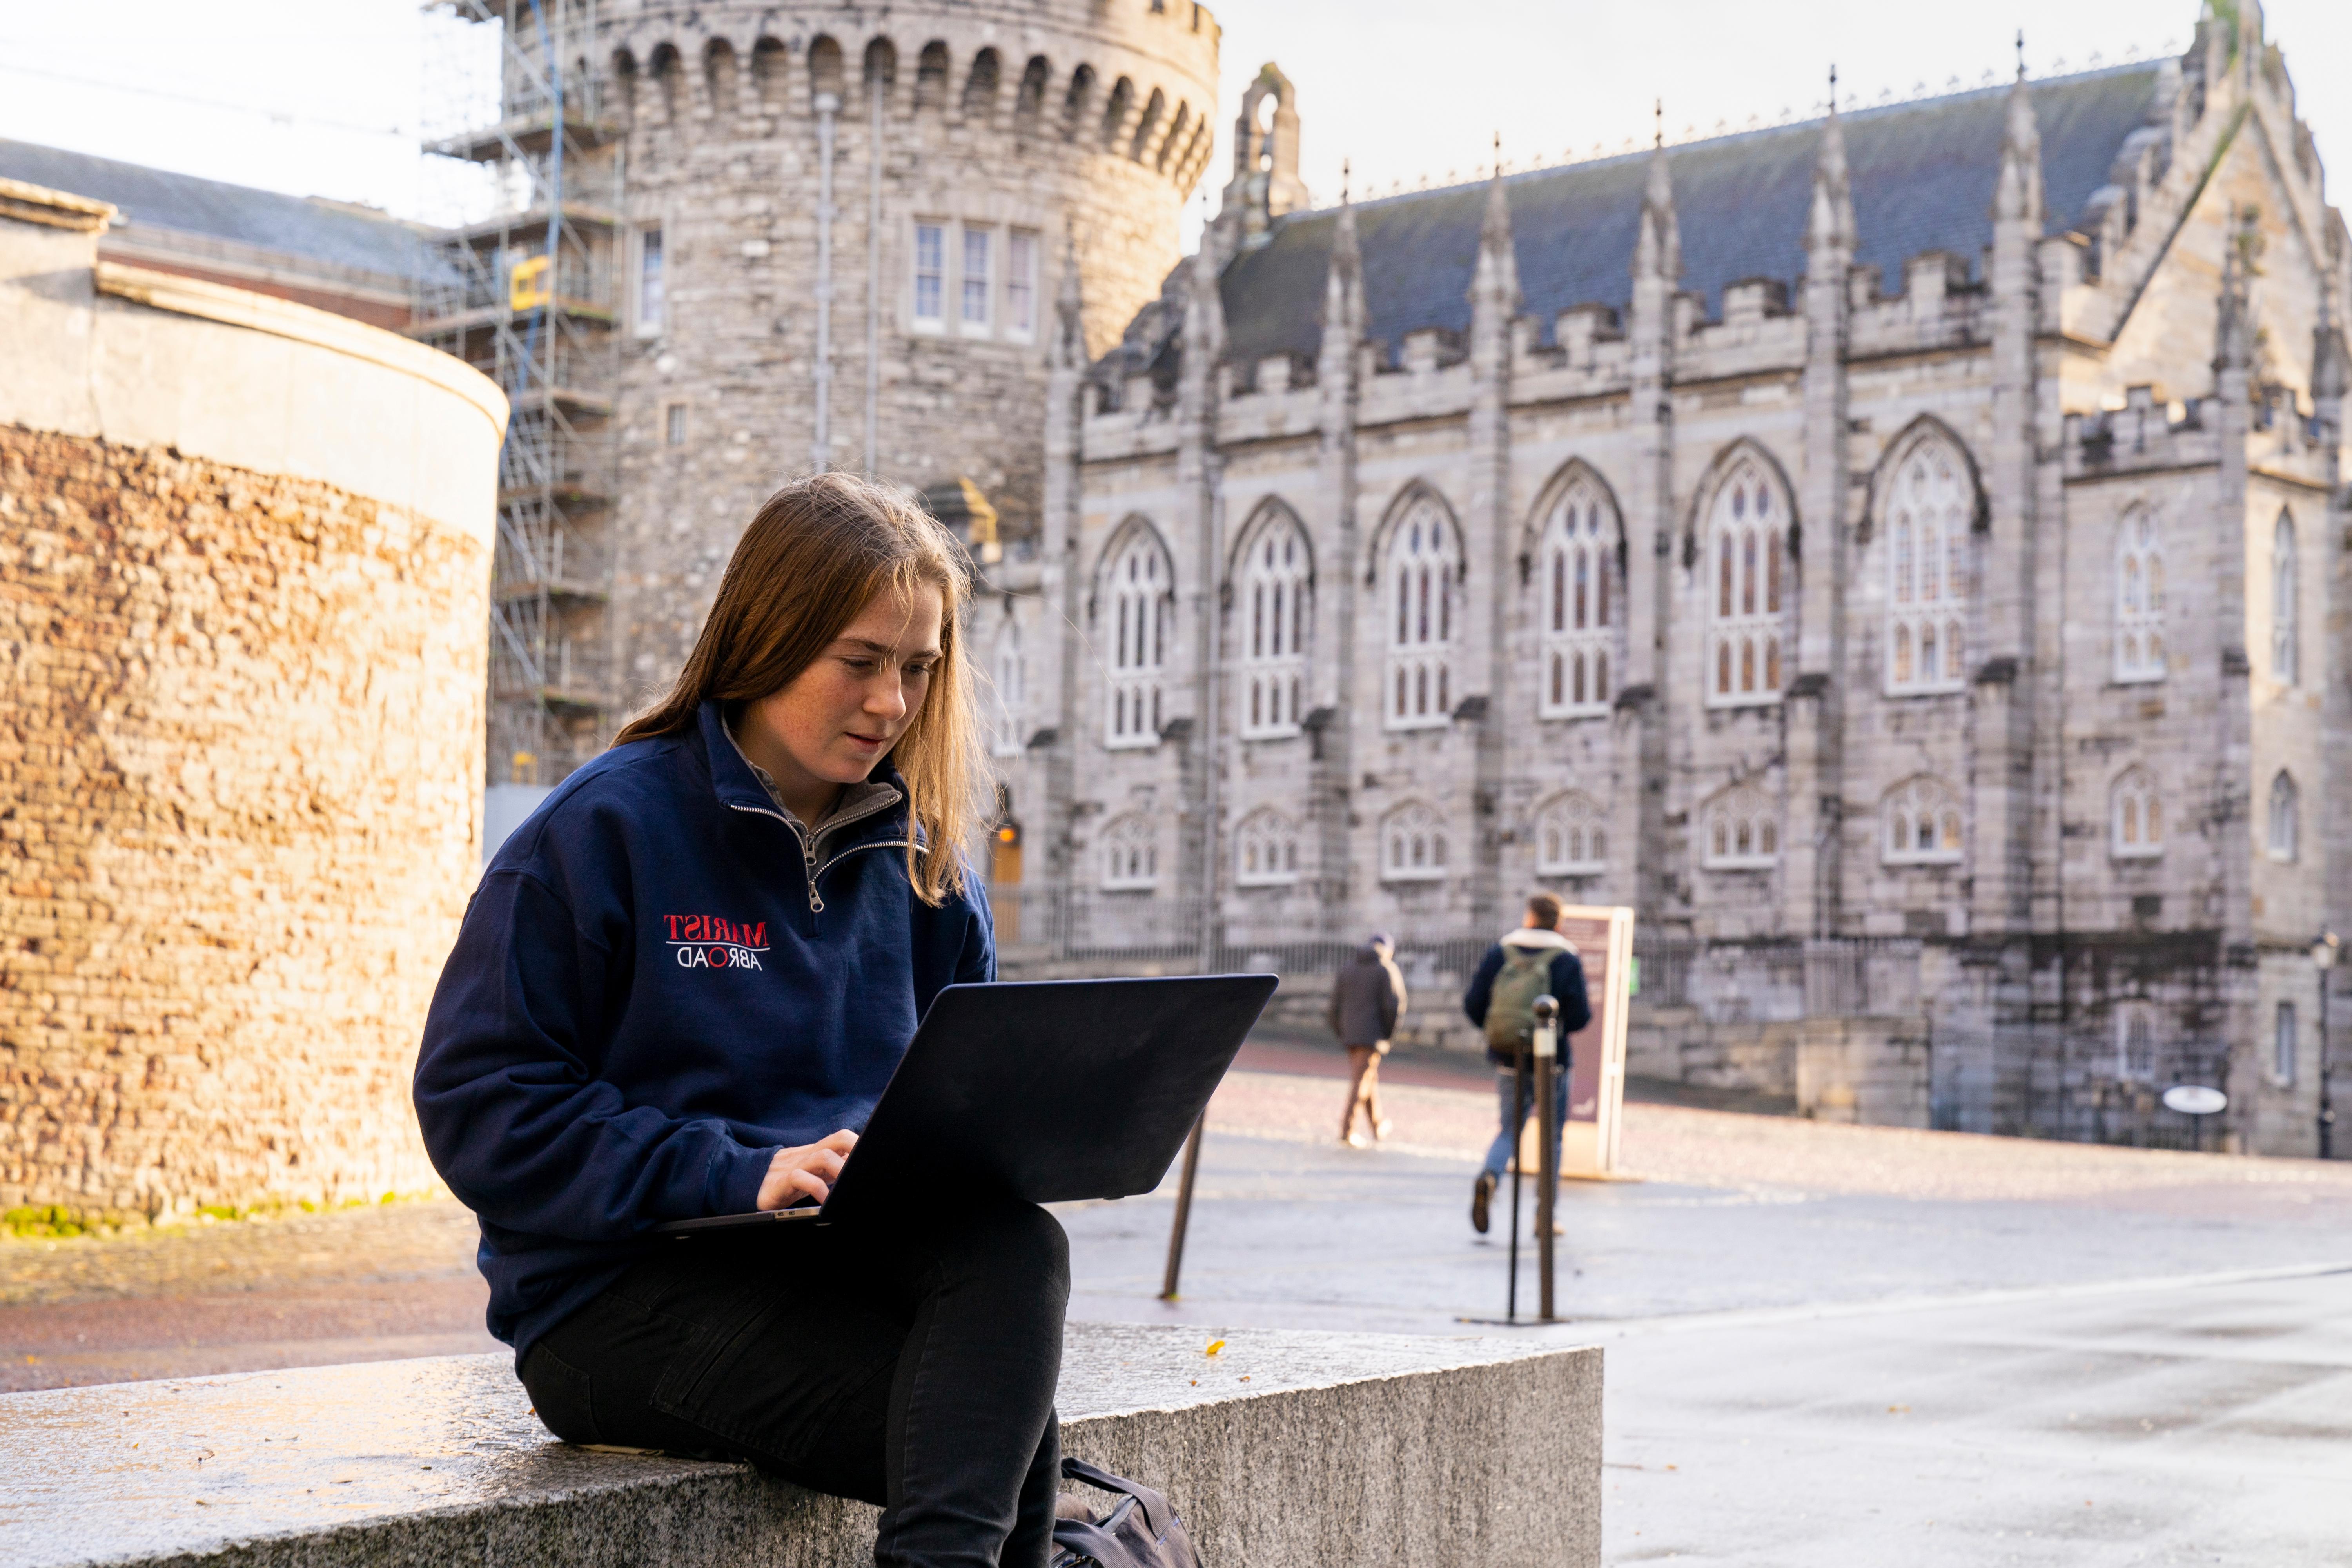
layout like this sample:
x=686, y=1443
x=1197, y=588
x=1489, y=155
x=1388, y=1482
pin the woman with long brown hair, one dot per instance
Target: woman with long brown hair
x=679, y=992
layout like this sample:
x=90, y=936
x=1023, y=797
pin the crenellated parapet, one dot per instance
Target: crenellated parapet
x=1129, y=81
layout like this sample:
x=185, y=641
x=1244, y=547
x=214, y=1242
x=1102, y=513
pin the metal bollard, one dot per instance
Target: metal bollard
x=1546, y=1053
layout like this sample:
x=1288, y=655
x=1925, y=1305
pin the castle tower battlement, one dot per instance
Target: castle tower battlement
x=837, y=235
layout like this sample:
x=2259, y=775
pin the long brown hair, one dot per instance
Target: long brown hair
x=817, y=552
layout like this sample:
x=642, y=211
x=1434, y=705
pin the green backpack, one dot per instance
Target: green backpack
x=1511, y=1006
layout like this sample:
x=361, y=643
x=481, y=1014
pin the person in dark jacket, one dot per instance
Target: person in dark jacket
x=678, y=992
x=1538, y=933
x=1367, y=996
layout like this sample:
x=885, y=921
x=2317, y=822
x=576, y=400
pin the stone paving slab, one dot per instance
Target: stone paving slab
x=1282, y=1449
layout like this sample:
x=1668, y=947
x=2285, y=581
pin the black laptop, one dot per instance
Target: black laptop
x=1045, y=1091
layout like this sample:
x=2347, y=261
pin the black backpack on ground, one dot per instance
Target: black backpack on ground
x=1140, y=1530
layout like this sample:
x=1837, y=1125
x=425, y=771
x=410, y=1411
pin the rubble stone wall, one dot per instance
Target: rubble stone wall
x=244, y=582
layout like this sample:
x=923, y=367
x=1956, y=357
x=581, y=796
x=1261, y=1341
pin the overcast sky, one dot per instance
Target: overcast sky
x=327, y=99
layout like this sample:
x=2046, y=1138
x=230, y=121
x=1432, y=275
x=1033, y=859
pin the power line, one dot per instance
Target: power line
x=276, y=116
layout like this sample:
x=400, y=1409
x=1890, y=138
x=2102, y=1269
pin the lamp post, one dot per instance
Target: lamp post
x=2324, y=949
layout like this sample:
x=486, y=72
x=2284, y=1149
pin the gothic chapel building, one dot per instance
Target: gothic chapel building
x=1898, y=555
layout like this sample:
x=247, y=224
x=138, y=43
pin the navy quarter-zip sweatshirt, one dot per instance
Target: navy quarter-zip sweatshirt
x=662, y=979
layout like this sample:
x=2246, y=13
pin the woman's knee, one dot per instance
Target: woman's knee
x=1041, y=1243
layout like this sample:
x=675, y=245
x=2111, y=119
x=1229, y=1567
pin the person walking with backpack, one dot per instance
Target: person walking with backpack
x=1532, y=961
x=1367, y=996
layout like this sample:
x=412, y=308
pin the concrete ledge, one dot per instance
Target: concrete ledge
x=1286, y=1450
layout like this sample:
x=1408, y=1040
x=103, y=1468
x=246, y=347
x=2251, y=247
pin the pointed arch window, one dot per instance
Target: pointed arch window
x=1274, y=613
x=1749, y=590
x=1131, y=854
x=1741, y=831
x=1140, y=590
x=2139, y=598
x=1421, y=585
x=1571, y=837
x=1413, y=845
x=1927, y=574
x=2286, y=644
x=1265, y=849
x=1579, y=604
x=2285, y=808
x=2136, y=817
x=1008, y=681
x=1920, y=821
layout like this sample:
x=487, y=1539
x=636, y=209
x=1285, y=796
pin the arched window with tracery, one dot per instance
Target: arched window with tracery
x=2286, y=644
x=1413, y=845
x=1571, y=837
x=1008, y=693
x=1140, y=586
x=1275, y=620
x=2139, y=598
x=1742, y=831
x=1425, y=572
x=1578, y=605
x=2135, y=816
x=1750, y=590
x=1265, y=849
x=1927, y=514
x=1130, y=848
x=1920, y=819
x=2286, y=835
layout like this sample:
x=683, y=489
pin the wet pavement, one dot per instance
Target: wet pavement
x=1826, y=1345
x=1836, y=1346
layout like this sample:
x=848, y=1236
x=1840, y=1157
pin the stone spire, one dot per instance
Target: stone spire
x=2232, y=334
x=1831, y=223
x=1658, y=246
x=1494, y=287
x=1069, y=346
x=1343, y=294
x=2017, y=194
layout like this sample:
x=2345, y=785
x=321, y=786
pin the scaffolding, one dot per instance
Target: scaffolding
x=525, y=290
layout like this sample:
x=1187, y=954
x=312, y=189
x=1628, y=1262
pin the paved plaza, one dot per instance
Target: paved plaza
x=1826, y=1345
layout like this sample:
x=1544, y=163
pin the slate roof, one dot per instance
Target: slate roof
x=269, y=220
x=1921, y=176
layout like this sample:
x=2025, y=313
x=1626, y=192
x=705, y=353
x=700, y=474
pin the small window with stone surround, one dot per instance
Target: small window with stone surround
x=1920, y=824
x=1138, y=591
x=1578, y=605
x=2283, y=1034
x=1741, y=831
x=930, y=276
x=1265, y=849
x=1423, y=571
x=2285, y=808
x=1571, y=837
x=977, y=279
x=2134, y=1042
x=1413, y=845
x=1749, y=589
x=2139, y=598
x=1020, y=284
x=1273, y=619
x=1130, y=848
x=2136, y=817
x=673, y=424
x=1927, y=537
x=2286, y=643
x=652, y=283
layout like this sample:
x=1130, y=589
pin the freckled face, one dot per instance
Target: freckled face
x=841, y=715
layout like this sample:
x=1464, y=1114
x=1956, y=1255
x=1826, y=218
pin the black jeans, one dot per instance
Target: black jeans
x=911, y=1365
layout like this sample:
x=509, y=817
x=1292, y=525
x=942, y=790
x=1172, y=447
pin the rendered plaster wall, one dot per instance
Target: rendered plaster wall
x=244, y=571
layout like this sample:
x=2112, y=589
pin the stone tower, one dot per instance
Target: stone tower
x=839, y=236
